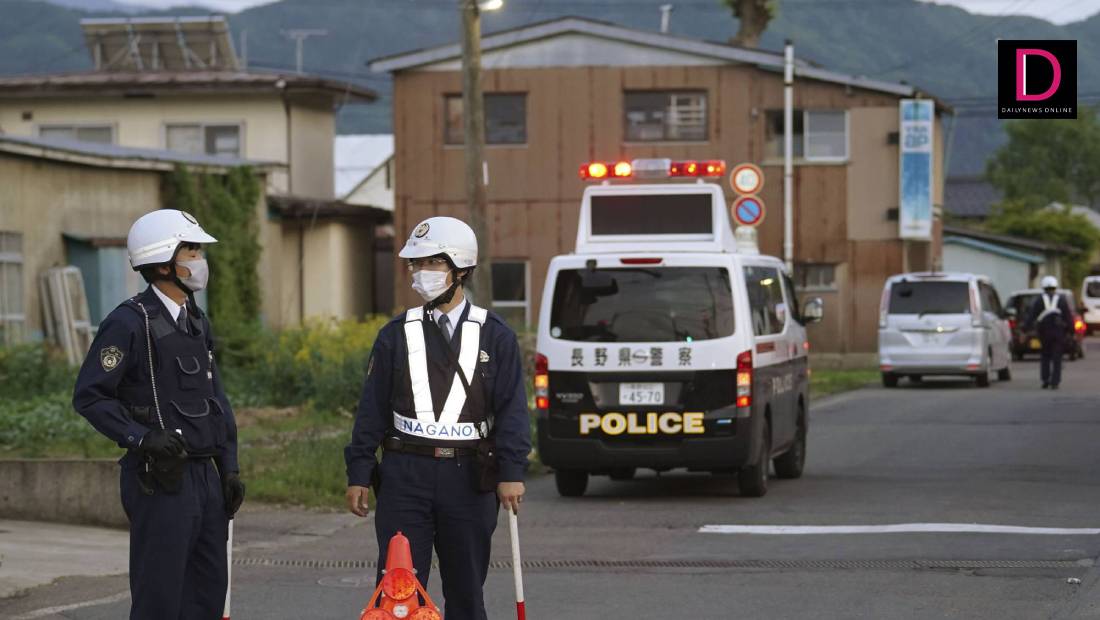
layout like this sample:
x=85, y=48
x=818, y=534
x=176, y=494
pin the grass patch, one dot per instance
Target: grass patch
x=824, y=382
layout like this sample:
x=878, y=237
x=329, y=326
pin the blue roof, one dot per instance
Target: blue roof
x=993, y=248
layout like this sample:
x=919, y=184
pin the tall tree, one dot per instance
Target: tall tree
x=753, y=17
x=1050, y=160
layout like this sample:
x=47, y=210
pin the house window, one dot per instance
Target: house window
x=510, y=298
x=199, y=139
x=815, y=277
x=12, y=317
x=817, y=135
x=505, y=119
x=665, y=116
x=102, y=134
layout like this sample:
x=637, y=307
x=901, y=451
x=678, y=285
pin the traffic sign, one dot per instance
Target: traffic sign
x=746, y=179
x=748, y=211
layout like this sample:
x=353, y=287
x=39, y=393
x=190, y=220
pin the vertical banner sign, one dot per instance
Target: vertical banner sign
x=915, y=169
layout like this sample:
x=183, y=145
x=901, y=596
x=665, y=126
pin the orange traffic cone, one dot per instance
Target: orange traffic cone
x=396, y=597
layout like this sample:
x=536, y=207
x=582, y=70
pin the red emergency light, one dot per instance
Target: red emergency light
x=652, y=168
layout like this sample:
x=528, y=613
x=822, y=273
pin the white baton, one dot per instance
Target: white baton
x=517, y=565
x=229, y=569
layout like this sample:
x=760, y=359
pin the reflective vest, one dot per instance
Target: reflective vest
x=430, y=404
x=1050, y=306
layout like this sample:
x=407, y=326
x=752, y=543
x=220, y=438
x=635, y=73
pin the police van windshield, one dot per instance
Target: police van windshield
x=930, y=298
x=660, y=304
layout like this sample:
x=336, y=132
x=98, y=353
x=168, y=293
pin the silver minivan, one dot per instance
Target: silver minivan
x=942, y=324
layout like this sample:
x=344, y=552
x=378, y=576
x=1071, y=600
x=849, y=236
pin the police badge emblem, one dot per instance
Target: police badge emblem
x=421, y=230
x=483, y=357
x=110, y=358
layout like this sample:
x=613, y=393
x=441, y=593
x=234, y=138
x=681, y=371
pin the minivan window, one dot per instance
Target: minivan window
x=660, y=304
x=1092, y=288
x=765, y=299
x=930, y=298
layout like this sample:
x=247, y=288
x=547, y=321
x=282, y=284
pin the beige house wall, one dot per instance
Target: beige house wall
x=312, y=134
x=141, y=122
x=43, y=201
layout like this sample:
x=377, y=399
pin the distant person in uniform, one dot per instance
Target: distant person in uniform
x=445, y=399
x=150, y=384
x=1051, y=316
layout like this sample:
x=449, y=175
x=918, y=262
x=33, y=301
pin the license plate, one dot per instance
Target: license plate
x=641, y=393
x=1035, y=344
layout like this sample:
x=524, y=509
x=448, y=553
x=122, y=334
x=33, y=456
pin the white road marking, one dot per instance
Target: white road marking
x=898, y=528
x=50, y=611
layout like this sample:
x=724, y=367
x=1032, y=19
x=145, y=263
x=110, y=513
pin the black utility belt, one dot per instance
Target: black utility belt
x=396, y=444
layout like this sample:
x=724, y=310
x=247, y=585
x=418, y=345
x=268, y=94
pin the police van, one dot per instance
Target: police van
x=665, y=341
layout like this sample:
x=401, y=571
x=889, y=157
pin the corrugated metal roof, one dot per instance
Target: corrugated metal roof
x=542, y=30
x=993, y=248
x=119, y=156
x=130, y=83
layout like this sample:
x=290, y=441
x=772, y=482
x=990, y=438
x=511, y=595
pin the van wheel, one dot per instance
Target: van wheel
x=753, y=479
x=571, y=483
x=1004, y=374
x=889, y=380
x=622, y=473
x=982, y=380
x=790, y=464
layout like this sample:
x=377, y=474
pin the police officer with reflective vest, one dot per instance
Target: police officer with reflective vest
x=444, y=398
x=1052, y=317
x=150, y=383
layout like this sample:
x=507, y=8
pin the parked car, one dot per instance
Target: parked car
x=1026, y=341
x=942, y=324
x=1090, y=303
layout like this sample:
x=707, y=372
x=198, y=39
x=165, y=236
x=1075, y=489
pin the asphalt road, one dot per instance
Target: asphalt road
x=939, y=452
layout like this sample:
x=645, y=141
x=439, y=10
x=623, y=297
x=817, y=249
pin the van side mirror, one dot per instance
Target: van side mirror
x=813, y=311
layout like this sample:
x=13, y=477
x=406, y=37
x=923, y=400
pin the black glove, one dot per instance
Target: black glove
x=163, y=443
x=233, y=492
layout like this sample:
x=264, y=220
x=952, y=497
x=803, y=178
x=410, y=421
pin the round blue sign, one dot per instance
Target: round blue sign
x=748, y=210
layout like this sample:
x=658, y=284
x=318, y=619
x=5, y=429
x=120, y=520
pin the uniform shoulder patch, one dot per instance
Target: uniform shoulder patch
x=110, y=358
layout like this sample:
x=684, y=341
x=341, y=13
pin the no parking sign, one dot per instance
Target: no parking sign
x=748, y=211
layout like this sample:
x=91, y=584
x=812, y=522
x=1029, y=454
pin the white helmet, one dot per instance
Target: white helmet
x=154, y=237
x=1049, y=282
x=443, y=235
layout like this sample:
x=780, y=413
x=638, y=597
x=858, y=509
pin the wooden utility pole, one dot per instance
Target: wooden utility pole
x=473, y=117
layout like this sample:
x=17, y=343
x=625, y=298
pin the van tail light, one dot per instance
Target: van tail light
x=1012, y=324
x=1079, y=326
x=744, y=379
x=884, y=306
x=542, y=382
x=975, y=308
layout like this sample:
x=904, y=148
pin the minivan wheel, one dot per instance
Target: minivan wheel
x=753, y=479
x=790, y=464
x=1004, y=374
x=982, y=380
x=889, y=380
x=571, y=483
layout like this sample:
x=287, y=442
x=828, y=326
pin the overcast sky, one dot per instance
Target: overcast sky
x=1057, y=11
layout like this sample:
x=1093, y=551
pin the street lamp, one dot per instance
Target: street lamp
x=490, y=5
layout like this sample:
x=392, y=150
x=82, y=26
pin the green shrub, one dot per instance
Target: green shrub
x=47, y=426
x=322, y=363
x=33, y=370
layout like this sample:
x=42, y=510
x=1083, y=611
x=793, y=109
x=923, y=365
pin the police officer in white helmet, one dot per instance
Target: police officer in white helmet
x=1051, y=316
x=444, y=398
x=150, y=383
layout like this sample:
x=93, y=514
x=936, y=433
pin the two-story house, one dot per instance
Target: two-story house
x=565, y=92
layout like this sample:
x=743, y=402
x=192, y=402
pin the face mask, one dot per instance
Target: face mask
x=200, y=274
x=430, y=284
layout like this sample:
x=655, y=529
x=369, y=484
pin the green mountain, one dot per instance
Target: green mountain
x=942, y=49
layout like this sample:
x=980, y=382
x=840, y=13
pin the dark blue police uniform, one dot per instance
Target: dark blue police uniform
x=435, y=500
x=177, y=539
x=1054, y=329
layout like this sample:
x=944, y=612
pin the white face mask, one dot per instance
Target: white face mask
x=200, y=274
x=430, y=284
